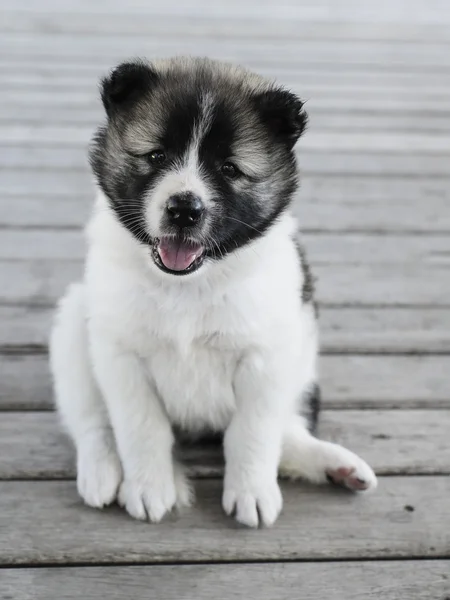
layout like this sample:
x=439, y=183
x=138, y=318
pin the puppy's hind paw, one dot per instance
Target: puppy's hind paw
x=356, y=475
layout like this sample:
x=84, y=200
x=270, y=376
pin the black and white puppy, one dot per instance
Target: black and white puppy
x=196, y=309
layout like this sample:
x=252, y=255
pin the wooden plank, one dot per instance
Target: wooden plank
x=24, y=328
x=385, y=329
x=324, y=11
x=347, y=381
x=394, y=442
x=87, y=99
x=82, y=75
x=206, y=25
x=390, y=580
x=395, y=215
x=340, y=526
x=90, y=71
x=311, y=162
x=323, y=248
x=61, y=184
x=41, y=282
x=72, y=142
x=326, y=204
x=347, y=52
x=31, y=117
x=348, y=330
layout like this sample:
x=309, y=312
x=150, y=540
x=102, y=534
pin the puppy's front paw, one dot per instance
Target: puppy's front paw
x=99, y=474
x=154, y=495
x=253, y=503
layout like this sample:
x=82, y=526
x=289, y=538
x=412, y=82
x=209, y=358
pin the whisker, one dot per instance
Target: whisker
x=243, y=223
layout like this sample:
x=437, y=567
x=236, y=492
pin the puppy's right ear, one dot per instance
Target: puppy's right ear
x=126, y=84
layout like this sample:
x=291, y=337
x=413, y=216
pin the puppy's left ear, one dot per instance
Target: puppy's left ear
x=283, y=113
x=125, y=84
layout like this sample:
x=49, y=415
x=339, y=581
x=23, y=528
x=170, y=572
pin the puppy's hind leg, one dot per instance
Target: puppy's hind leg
x=307, y=457
x=81, y=405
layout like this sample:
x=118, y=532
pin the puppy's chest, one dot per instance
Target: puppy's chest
x=195, y=382
x=191, y=358
x=190, y=352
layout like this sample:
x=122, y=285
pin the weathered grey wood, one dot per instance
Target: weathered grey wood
x=347, y=382
x=82, y=20
x=24, y=328
x=343, y=330
x=60, y=184
x=322, y=248
x=390, y=215
x=385, y=329
x=375, y=159
x=45, y=522
x=41, y=282
x=54, y=76
x=424, y=13
x=394, y=580
x=31, y=117
x=353, y=52
x=393, y=442
x=88, y=99
x=348, y=330
x=311, y=161
x=75, y=20
x=25, y=382
x=331, y=78
x=37, y=282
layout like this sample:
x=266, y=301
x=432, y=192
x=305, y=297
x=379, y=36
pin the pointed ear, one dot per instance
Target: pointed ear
x=283, y=113
x=125, y=84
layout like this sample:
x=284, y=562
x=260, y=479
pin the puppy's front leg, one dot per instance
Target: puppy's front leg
x=143, y=433
x=253, y=442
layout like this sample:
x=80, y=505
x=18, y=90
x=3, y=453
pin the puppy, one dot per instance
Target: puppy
x=196, y=309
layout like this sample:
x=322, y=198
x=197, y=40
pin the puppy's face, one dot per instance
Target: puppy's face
x=196, y=157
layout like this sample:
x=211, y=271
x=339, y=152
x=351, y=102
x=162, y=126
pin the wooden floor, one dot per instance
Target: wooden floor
x=375, y=211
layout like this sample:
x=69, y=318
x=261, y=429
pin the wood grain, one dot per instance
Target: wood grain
x=45, y=522
x=42, y=282
x=404, y=580
x=323, y=248
x=361, y=188
x=347, y=381
x=374, y=206
x=337, y=162
x=393, y=442
x=321, y=211
x=348, y=330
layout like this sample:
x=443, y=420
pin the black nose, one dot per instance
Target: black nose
x=185, y=209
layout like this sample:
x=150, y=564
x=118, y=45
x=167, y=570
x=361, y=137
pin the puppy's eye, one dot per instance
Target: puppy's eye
x=230, y=170
x=156, y=157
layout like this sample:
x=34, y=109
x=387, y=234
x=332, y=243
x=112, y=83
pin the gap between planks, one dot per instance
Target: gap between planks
x=390, y=580
x=393, y=442
x=369, y=330
x=403, y=518
x=348, y=382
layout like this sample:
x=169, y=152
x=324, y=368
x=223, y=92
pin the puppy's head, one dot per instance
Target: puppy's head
x=196, y=157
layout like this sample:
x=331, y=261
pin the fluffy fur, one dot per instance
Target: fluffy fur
x=227, y=342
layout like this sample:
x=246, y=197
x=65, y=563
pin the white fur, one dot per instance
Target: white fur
x=230, y=347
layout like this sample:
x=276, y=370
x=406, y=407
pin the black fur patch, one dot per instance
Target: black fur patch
x=308, y=288
x=311, y=404
x=283, y=113
x=125, y=84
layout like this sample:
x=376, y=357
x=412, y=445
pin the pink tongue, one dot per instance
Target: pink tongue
x=177, y=255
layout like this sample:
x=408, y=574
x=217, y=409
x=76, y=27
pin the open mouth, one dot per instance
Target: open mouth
x=177, y=256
